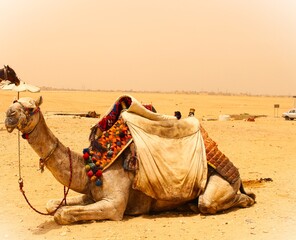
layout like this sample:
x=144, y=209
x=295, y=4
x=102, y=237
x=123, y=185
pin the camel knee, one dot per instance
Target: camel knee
x=206, y=206
x=52, y=205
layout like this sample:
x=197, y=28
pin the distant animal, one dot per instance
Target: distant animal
x=251, y=119
x=116, y=196
x=178, y=115
x=8, y=74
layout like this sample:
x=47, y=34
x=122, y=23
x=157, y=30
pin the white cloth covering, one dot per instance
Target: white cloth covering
x=171, y=154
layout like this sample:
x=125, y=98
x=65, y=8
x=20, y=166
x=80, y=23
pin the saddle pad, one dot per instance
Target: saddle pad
x=171, y=154
x=217, y=160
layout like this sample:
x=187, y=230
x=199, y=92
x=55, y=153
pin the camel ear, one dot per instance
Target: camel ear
x=39, y=101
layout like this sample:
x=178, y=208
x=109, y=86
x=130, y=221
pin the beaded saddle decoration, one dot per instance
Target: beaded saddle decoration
x=105, y=150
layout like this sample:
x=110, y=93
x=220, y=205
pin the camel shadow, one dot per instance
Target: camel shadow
x=166, y=214
x=51, y=225
x=183, y=213
x=46, y=227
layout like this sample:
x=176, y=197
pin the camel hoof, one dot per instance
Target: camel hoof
x=252, y=200
x=252, y=195
x=61, y=217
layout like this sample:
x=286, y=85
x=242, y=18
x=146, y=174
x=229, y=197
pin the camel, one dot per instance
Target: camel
x=116, y=197
x=7, y=73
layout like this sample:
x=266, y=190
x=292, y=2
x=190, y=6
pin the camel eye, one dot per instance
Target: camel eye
x=13, y=113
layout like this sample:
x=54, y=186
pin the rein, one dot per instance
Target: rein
x=66, y=191
x=42, y=162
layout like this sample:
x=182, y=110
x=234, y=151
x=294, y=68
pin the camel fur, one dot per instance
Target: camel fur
x=116, y=197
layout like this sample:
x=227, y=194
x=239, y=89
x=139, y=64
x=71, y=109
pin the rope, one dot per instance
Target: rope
x=19, y=156
x=66, y=191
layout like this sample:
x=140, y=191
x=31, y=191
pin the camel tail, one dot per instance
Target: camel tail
x=242, y=190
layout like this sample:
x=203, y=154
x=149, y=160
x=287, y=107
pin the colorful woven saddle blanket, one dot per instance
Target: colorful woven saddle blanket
x=105, y=150
x=113, y=114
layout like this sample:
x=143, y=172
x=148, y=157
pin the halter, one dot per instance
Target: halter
x=28, y=114
x=27, y=110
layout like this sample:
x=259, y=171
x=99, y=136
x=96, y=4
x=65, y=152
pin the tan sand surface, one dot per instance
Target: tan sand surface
x=265, y=148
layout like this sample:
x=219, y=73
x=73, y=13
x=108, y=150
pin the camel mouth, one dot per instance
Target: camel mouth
x=10, y=129
x=10, y=124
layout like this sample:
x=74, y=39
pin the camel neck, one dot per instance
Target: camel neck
x=44, y=142
x=41, y=135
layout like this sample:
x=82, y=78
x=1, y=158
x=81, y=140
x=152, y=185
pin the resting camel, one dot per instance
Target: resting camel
x=7, y=73
x=116, y=197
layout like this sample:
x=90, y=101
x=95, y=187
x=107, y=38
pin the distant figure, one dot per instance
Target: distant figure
x=191, y=112
x=178, y=115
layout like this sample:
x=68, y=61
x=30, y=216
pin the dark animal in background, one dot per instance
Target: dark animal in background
x=178, y=115
x=8, y=74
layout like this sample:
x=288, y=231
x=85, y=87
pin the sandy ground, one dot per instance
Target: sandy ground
x=261, y=149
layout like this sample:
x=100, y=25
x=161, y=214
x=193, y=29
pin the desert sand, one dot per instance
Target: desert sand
x=261, y=149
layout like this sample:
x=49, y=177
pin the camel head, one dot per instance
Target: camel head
x=7, y=73
x=23, y=114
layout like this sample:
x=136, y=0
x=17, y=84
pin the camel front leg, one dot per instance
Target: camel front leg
x=101, y=210
x=83, y=199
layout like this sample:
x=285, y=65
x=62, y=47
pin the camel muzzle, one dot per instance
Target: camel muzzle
x=11, y=121
x=9, y=126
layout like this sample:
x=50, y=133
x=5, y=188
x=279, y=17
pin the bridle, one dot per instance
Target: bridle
x=42, y=162
x=28, y=113
x=26, y=136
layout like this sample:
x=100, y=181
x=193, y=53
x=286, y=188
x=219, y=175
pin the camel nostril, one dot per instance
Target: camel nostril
x=11, y=121
x=11, y=118
x=10, y=113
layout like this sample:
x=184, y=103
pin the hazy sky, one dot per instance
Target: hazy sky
x=240, y=46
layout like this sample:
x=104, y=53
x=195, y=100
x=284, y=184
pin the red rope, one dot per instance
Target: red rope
x=21, y=184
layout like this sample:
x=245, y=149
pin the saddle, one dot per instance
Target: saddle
x=171, y=155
